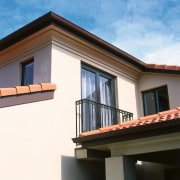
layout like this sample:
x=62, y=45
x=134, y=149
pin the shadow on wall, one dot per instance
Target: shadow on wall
x=72, y=169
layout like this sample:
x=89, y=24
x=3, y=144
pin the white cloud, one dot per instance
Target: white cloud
x=146, y=33
x=151, y=46
x=169, y=54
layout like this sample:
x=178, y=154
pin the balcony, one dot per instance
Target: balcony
x=91, y=115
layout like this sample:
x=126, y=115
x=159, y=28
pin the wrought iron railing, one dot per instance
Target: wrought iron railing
x=91, y=115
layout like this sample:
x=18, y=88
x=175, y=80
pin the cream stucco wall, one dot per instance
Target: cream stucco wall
x=10, y=75
x=127, y=93
x=36, y=137
x=36, y=144
x=28, y=137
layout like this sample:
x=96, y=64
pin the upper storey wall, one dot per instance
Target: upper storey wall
x=69, y=54
x=38, y=48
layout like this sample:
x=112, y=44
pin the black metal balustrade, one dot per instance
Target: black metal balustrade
x=91, y=115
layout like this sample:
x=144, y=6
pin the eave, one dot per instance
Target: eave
x=166, y=122
x=53, y=19
x=138, y=132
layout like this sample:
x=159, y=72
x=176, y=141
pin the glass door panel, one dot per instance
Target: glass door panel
x=88, y=85
x=106, y=113
x=88, y=93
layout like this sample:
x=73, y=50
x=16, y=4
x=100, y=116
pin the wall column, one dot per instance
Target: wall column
x=120, y=168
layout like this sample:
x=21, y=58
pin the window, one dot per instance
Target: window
x=27, y=73
x=155, y=100
x=97, y=87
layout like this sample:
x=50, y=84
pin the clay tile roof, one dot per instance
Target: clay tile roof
x=17, y=90
x=155, y=118
x=48, y=86
x=34, y=87
x=22, y=89
x=163, y=67
x=7, y=91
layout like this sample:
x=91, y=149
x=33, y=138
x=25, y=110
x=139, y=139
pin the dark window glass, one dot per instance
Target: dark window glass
x=27, y=73
x=155, y=100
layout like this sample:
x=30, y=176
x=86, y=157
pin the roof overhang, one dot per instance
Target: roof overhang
x=53, y=19
x=122, y=135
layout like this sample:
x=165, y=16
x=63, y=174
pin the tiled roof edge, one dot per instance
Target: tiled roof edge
x=18, y=90
x=162, y=67
x=155, y=118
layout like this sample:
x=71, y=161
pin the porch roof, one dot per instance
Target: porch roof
x=162, y=123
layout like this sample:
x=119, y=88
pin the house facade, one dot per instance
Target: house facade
x=60, y=83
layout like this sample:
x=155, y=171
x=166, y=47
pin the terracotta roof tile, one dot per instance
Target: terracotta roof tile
x=35, y=87
x=8, y=91
x=48, y=86
x=163, y=66
x=146, y=120
x=22, y=89
x=17, y=90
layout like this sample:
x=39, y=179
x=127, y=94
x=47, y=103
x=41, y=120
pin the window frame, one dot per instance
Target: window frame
x=155, y=92
x=99, y=73
x=94, y=115
x=23, y=66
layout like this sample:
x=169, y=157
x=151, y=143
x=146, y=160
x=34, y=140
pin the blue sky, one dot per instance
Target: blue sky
x=148, y=30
